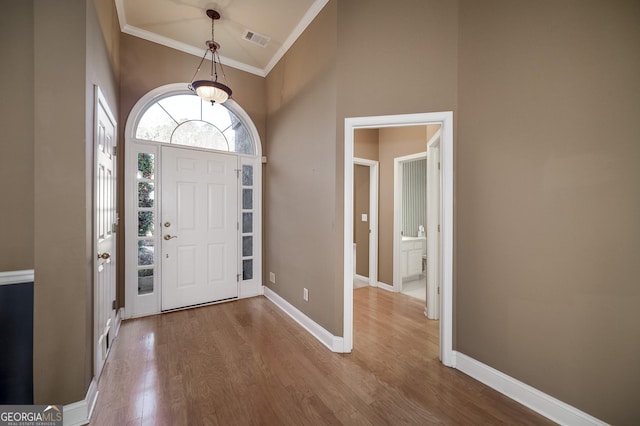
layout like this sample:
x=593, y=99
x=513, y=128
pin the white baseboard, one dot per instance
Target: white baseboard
x=79, y=413
x=334, y=343
x=526, y=395
x=360, y=281
x=385, y=286
x=119, y=317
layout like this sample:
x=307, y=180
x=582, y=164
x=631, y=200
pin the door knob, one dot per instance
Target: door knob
x=106, y=255
x=168, y=237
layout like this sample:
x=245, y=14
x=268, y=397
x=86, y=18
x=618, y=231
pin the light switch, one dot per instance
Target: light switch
x=364, y=217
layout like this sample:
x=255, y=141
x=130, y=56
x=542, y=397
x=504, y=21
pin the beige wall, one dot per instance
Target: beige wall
x=16, y=146
x=361, y=198
x=300, y=183
x=365, y=144
x=66, y=68
x=548, y=198
x=61, y=266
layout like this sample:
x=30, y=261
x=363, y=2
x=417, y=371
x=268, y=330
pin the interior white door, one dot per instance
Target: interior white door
x=199, y=227
x=106, y=220
x=433, y=230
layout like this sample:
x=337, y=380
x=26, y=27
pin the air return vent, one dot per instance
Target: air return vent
x=254, y=37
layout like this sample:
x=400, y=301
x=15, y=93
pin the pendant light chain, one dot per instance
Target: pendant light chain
x=211, y=90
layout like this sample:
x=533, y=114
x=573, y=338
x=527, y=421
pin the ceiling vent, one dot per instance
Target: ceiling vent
x=254, y=37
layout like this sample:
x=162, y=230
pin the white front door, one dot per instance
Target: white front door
x=199, y=228
x=106, y=220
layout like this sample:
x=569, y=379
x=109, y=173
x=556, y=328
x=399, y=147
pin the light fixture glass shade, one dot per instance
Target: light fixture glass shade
x=211, y=91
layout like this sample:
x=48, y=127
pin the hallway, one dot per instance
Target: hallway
x=246, y=362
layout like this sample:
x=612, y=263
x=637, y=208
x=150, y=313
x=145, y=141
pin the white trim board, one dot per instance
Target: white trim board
x=334, y=343
x=79, y=413
x=540, y=402
x=16, y=277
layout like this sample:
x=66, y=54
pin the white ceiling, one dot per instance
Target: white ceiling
x=184, y=25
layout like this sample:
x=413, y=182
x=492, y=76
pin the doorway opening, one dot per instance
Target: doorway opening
x=445, y=120
x=409, y=222
x=365, y=230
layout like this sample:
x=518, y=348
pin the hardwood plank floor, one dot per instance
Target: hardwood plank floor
x=247, y=363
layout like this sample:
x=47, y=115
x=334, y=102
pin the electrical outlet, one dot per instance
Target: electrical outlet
x=272, y=277
x=305, y=294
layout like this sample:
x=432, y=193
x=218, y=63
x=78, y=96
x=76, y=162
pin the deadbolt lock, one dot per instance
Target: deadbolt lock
x=167, y=224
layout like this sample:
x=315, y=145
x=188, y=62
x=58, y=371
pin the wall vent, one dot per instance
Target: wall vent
x=254, y=37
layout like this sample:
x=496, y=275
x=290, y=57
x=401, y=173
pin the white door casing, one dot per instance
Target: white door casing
x=445, y=118
x=433, y=224
x=105, y=225
x=199, y=227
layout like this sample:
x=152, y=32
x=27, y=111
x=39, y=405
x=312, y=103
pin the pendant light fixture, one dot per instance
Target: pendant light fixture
x=211, y=90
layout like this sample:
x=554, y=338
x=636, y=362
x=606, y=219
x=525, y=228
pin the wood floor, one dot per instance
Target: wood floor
x=247, y=363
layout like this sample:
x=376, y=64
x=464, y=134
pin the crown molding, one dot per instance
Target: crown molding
x=308, y=17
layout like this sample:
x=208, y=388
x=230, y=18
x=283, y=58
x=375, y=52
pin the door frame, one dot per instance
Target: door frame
x=150, y=304
x=445, y=119
x=374, y=172
x=434, y=189
x=398, y=184
x=100, y=102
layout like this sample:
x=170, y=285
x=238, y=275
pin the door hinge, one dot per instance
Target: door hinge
x=237, y=173
x=113, y=305
x=438, y=165
x=438, y=227
x=237, y=226
x=114, y=228
x=438, y=290
x=115, y=150
x=238, y=277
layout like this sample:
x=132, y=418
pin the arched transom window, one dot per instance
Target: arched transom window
x=185, y=119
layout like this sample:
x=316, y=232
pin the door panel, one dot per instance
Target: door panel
x=105, y=232
x=199, y=227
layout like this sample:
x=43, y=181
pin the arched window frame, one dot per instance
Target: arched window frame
x=150, y=303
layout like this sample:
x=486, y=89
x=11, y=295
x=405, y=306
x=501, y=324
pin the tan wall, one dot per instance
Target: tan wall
x=74, y=58
x=548, y=198
x=16, y=146
x=61, y=237
x=300, y=175
x=361, y=198
x=394, y=142
x=110, y=26
x=146, y=66
x=365, y=144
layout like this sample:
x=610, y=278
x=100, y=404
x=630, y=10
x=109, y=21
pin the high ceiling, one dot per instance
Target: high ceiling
x=184, y=25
